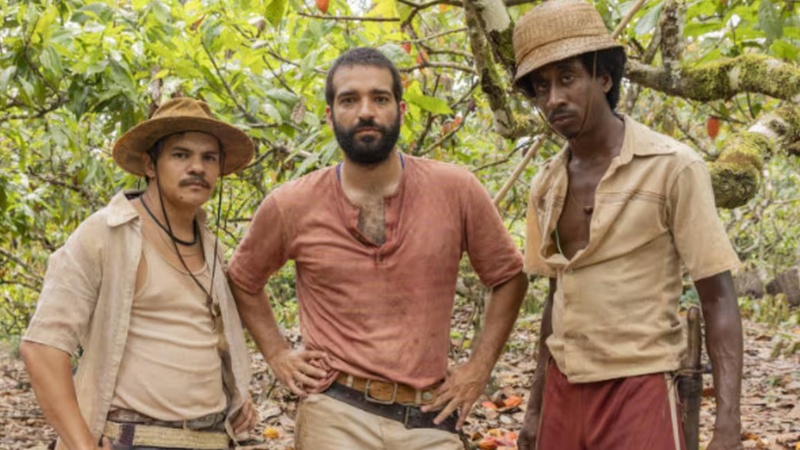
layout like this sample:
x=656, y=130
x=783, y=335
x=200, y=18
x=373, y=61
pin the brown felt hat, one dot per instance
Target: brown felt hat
x=557, y=30
x=180, y=115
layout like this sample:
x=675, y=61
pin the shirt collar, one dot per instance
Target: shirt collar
x=638, y=141
x=642, y=141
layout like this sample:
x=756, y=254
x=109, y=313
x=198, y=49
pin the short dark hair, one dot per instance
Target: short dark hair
x=363, y=56
x=609, y=61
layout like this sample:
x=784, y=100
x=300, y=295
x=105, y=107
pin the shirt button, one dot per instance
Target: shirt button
x=427, y=396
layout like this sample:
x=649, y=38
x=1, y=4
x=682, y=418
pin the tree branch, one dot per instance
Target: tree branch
x=441, y=65
x=86, y=193
x=447, y=136
x=736, y=175
x=39, y=114
x=31, y=276
x=492, y=84
x=438, y=35
x=673, y=17
x=430, y=3
x=493, y=20
x=255, y=121
x=721, y=79
x=350, y=18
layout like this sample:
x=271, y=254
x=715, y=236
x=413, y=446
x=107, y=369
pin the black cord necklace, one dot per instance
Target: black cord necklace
x=169, y=233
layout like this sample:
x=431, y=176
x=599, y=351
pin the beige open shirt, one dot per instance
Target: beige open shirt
x=615, y=310
x=86, y=300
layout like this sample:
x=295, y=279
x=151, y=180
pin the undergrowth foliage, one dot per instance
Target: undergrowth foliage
x=75, y=75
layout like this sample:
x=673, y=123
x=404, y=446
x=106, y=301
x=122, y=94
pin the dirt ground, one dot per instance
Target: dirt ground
x=770, y=403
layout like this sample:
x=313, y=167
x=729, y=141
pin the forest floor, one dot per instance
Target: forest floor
x=770, y=401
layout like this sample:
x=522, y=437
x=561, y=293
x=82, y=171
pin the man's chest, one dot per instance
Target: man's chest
x=628, y=210
x=370, y=242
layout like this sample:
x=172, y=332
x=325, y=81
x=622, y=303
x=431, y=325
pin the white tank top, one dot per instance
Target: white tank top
x=170, y=368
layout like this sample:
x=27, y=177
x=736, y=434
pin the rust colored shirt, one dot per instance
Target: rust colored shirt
x=615, y=310
x=380, y=312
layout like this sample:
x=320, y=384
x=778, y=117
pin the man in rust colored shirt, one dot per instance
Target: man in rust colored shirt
x=377, y=242
x=611, y=221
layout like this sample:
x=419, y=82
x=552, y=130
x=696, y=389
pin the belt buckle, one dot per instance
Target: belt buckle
x=372, y=399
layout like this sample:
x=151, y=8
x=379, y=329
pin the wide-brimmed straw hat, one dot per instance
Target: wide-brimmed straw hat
x=557, y=30
x=180, y=115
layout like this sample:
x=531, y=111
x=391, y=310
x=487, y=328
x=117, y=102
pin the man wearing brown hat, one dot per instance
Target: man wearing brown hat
x=610, y=220
x=139, y=286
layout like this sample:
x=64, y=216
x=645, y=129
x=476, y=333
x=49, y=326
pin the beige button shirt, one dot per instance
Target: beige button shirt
x=615, y=310
x=86, y=300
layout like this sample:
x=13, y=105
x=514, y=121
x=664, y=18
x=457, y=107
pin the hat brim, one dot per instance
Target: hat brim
x=561, y=50
x=138, y=140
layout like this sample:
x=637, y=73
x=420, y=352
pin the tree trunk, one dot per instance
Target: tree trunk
x=787, y=283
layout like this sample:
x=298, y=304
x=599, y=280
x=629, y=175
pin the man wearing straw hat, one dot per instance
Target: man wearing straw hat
x=139, y=286
x=610, y=220
x=377, y=242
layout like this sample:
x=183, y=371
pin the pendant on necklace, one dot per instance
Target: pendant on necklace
x=588, y=209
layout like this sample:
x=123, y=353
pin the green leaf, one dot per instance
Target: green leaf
x=276, y=9
x=160, y=12
x=283, y=96
x=396, y=54
x=431, y=104
x=697, y=29
x=272, y=112
x=96, y=10
x=5, y=77
x=3, y=196
x=784, y=50
x=769, y=18
x=648, y=22
x=52, y=61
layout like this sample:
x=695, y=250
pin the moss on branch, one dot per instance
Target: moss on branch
x=737, y=174
x=722, y=79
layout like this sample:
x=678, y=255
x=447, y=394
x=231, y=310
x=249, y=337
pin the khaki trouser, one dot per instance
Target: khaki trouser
x=324, y=423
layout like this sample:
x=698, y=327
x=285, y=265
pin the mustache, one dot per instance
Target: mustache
x=195, y=179
x=557, y=113
x=368, y=123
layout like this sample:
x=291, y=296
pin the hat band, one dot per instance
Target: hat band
x=563, y=38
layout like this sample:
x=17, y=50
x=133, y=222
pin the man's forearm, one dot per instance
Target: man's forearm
x=500, y=317
x=725, y=346
x=256, y=312
x=51, y=377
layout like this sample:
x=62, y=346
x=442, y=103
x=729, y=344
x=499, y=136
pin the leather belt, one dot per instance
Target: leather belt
x=209, y=422
x=409, y=415
x=388, y=393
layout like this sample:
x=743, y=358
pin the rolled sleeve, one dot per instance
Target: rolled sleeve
x=69, y=293
x=699, y=236
x=263, y=250
x=492, y=252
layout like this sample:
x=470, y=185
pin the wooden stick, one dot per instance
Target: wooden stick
x=627, y=18
x=690, y=385
x=521, y=167
x=534, y=148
